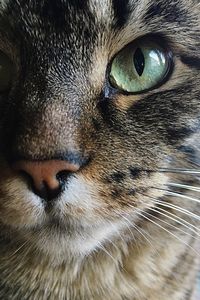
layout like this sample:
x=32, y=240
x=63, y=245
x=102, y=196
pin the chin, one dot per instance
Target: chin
x=71, y=227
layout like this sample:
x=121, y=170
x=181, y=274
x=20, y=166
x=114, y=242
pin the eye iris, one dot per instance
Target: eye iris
x=141, y=67
x=139, y=61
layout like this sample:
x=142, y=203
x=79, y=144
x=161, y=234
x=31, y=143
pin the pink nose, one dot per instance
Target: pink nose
x=46, y=175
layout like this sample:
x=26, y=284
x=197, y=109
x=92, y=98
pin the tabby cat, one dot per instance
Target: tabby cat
x=100, y=157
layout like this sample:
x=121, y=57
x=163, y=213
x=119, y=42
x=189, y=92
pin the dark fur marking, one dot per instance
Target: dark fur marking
x=187, y=150
x=118, y=177
x=131, y=192
x=115, y=193
x=170, y=12
x=182, y=262
x=96, y=124
x=191, y=61
x=135, y=172
x=174, y=134
x=190, y=153
x=111, y=116
x=167, y=112
x=121, y=12
x=152, y=102
x=78, y=4
x=50, y=12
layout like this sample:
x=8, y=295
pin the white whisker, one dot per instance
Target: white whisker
x=180, y=209
x=173, y=206
x=127, y=223
x=175, y=194
x=179, y=229
x=117, y=263
x=179, y=170
x=181, y=221
x=137, y=229
x=183, y=186
x=18, y=249
x=166, y=230
x=100, y=246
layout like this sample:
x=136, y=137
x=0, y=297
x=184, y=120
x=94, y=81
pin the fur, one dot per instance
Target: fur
x=127, y=223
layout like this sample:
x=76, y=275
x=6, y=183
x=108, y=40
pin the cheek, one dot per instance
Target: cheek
x=132, y=193
x=18, y=206
x=80, y=200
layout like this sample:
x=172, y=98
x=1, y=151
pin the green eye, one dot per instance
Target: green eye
x=6, y=71
x=139, y=67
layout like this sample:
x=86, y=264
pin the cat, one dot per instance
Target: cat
x=99, y=153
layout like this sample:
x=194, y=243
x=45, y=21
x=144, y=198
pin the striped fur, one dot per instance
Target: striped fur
x=127, y=226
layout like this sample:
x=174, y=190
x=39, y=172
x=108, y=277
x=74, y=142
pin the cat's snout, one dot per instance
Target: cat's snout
x=47, y=178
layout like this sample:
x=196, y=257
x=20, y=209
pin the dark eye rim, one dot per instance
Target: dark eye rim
x=163, y=44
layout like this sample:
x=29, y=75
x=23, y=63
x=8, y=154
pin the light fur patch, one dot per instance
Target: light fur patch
x=101, y=9
x=3, y=4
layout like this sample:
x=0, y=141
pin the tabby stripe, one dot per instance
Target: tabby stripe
x=183, y=262
x=78, y=4
x=117, y=177
x=181, y=132
x=121, y=12
x=170, y=12
x=191, y=61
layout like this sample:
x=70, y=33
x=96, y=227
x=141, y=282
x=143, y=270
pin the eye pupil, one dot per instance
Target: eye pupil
x=139, y=61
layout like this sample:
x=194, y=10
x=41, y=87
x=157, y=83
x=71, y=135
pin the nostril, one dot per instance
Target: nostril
x=46, y=179
x=44, y=192
x=63, y=176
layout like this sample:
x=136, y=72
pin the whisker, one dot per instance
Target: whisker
x=166, y=230
x=173, y=206
x=175, y=194
x=180, y=209
x=192, y=162
x=183, y=186
x=100, y=246
x=187, y=233
x=18, y=249
x=127, y=223
x=143, y=234
x=179, y=170
x=181, y=221
x=137, y=229
x=177, y=219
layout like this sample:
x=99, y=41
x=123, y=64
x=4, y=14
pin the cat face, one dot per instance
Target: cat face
x=64, y=99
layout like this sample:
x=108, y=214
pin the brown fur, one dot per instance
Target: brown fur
x=93, y=243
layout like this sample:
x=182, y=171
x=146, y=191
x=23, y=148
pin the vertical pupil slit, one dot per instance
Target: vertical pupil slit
x=139, y=61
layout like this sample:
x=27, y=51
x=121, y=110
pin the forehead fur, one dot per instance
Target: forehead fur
x=120, y=10
x=94, y=22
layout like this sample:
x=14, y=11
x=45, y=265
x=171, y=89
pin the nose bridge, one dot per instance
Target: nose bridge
x=49, y=128
x=56, y=118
